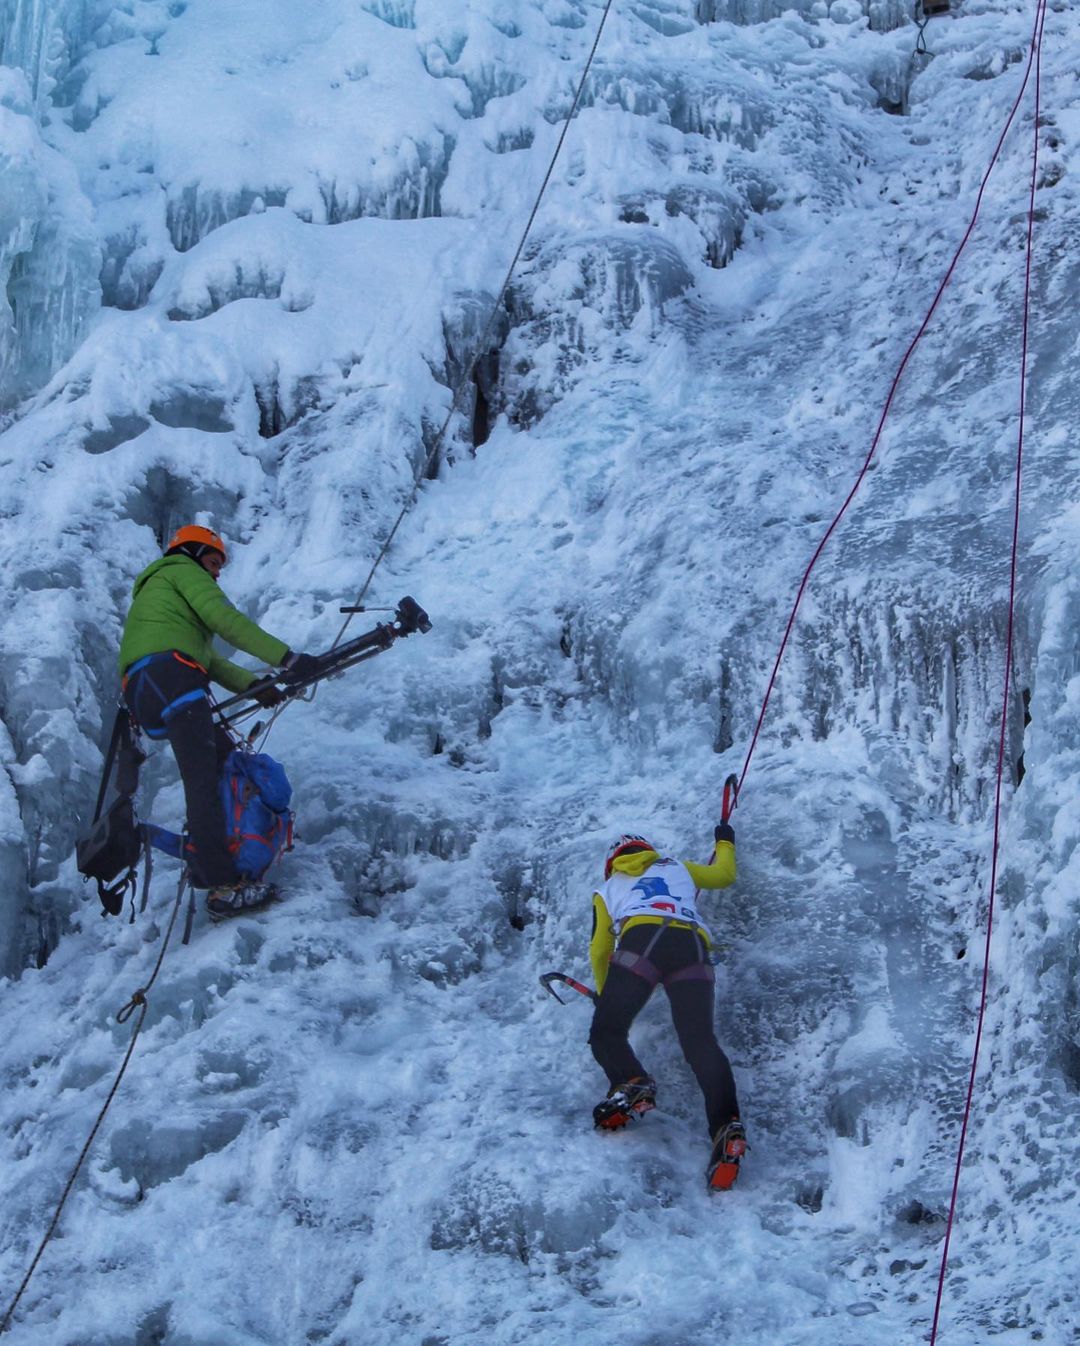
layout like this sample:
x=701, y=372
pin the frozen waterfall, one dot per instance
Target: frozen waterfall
x=247, y=251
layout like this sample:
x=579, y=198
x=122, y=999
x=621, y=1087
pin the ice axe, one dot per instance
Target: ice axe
x=728, y=804
x=730, y=801
x=549, y=977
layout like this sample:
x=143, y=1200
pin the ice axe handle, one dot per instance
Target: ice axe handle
x=549, y=977
x=731, y=797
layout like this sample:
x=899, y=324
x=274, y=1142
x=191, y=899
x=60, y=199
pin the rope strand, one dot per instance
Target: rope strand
x=470, y=368
x=1002, y=736
x=884, y=415
x=137, y=1001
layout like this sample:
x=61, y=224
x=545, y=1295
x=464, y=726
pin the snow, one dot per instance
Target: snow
x=248, y=251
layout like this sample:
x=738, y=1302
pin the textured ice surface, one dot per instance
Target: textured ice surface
x=49, y=256
x=248, y=251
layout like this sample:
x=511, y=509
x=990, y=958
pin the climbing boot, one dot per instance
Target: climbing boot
x=625, y=1102
x=729, y=1146
x=234, y=899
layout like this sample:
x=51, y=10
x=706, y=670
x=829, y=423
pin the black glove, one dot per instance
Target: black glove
x=270, y=697
x=299, y=666
x=724, y=832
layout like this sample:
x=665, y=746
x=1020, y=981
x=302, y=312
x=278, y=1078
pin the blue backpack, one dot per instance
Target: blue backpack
x=255, y=794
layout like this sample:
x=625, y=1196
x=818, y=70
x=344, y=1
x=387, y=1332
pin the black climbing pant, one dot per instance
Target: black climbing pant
x=167, y=695
x=676, y=962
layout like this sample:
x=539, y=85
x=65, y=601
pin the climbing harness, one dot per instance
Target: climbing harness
x=170, y=706
x=641, y=965
x=1034, y=58
x=138, y=1002
x=637, y=963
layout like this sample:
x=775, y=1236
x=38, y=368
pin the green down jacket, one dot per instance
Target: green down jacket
x=177, y=605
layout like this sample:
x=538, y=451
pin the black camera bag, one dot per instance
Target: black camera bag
x=111, y=853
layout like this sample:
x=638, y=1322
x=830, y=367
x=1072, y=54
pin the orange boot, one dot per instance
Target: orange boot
x=625, y=1102
x=729, y=1146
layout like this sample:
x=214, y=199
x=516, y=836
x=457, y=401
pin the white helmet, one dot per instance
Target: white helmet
x=626, y=845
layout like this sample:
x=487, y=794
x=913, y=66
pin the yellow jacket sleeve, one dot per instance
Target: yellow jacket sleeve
x=602, y=944
x=720, y=873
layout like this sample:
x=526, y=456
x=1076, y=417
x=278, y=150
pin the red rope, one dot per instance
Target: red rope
x=886, y=409
x=1036, y=55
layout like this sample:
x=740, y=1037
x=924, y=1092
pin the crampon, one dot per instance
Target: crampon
x=239, y=899
x=625, y=1103
x=728, y=1149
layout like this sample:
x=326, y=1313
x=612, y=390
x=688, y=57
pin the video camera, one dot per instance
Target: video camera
x=409, y=617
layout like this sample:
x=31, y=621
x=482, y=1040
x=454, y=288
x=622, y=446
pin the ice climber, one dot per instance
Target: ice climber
x=167, y=662
x=647, y=933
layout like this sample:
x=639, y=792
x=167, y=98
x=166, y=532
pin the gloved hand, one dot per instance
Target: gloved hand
x=299, y=666
x=270, y=697
x=724, y=832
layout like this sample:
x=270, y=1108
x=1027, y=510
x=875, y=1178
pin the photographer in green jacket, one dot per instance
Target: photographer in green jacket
x=167, y=663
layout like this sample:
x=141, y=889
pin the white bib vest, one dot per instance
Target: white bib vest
x=664, y=890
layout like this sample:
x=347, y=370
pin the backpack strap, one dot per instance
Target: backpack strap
x=113, y=895
x=129, y=753
x=190, y=920
x=110, y=756
x=148, y=871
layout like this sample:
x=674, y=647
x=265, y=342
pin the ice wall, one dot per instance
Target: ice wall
x=44, y=39
x=49, y=255
x=299, y=249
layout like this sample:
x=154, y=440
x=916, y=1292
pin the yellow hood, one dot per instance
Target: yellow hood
x=635, y=863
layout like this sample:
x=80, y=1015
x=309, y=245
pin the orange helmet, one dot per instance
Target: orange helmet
x=192, y=540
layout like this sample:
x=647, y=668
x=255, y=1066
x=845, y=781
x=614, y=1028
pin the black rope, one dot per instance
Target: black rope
x=921, y=20
x=469, y=369
x=480, y=345
x=138, y=1001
